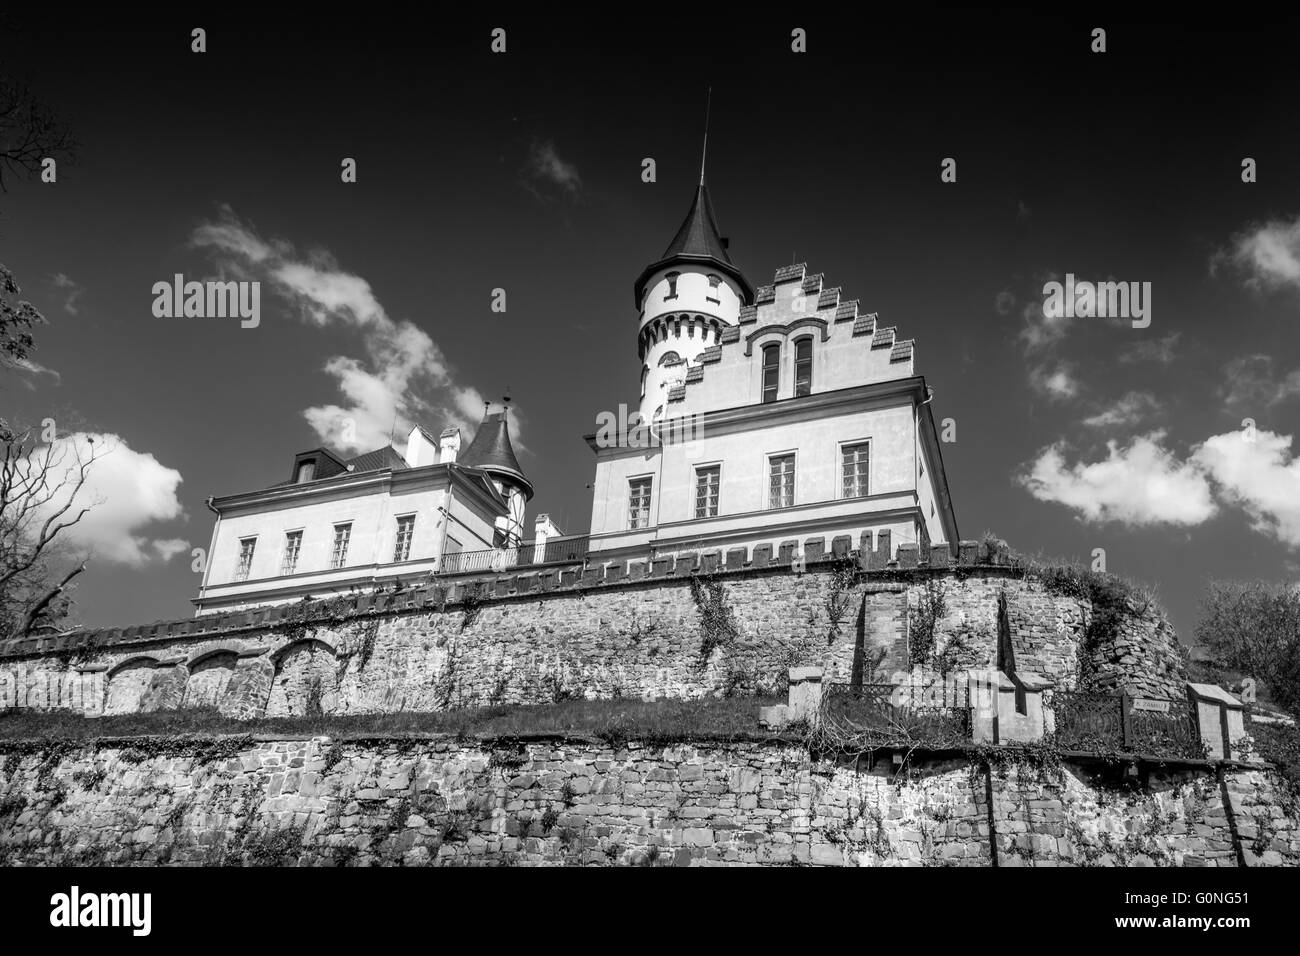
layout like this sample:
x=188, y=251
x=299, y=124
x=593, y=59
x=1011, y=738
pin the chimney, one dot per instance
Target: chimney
x=543, y=530
x=448, y=445
x=419, y=449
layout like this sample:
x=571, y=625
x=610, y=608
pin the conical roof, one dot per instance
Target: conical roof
x=699, y=242
x=492, y=452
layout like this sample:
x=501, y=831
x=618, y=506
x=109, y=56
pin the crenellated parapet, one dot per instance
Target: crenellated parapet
x=849, y=347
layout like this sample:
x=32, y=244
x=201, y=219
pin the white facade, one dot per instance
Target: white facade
x=349, y=530
x=793, y=418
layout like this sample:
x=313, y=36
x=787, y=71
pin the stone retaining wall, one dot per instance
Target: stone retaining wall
x=440, y=801
x=429, y=649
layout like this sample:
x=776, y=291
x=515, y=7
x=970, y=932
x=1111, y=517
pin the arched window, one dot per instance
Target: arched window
x=672, y=285
x=771, y=371
x=803, y=366
x=645, y=370
x=669, y=358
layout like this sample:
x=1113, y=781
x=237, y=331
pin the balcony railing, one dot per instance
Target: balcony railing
x=570, y=550
x=942, y=716
x=1108, y=723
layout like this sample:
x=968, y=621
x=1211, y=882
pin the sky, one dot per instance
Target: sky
x=522, y=171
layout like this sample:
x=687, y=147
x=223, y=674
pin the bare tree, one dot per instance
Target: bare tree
x=29, y=132
x=43, y=494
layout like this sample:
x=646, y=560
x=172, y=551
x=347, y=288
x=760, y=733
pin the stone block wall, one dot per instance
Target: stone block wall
x=541, y=638
x=434, y=801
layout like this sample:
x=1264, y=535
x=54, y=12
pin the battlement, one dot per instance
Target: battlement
x=787, y=555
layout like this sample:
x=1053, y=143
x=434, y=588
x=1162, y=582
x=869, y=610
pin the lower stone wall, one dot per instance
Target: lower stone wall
x=441, y=801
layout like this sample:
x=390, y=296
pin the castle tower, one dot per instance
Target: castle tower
x=492, y=452
x=686, y=299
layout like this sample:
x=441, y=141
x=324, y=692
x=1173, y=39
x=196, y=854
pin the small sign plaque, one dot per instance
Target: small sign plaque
x=1141, y=703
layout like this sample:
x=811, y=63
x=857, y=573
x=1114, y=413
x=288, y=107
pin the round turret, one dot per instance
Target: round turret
x=686, y=299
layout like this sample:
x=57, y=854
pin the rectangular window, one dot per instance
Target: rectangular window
x=707, y=482
x=342, y=535
x=803, y=367
x=405, y=529
x=853, y=470
x=292, y=546
x=780, y=470
x=246, y=546
x=771, y=372
x=638, y=509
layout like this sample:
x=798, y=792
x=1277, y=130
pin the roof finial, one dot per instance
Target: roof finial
x=704, y=153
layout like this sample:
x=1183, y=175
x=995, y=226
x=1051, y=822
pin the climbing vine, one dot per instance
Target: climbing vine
x=717, y=619
x=924, y=621
x=838, y=599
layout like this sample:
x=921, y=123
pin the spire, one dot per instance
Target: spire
x=492, y=452
x=704, y=153
x=698, y=241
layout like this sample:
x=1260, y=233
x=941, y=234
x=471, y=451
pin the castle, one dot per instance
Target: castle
x=778, y=412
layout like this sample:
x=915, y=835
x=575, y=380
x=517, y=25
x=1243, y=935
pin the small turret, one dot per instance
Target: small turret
x=491, y=451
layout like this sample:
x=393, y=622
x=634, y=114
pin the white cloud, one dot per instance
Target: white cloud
x=62, y=281
x=404, y=377
x=1145, y=484
x=1126, y=411
x=1252, y=382
x=36, y=369
x=1257, y=472
x=1141, y=484
x=1056, y=382
x=546, y=166
x=125, y=490
x=168, y=548
x=1268, y=254
x=1160, y=351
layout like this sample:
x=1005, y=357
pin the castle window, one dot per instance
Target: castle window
x=306, y=471
x=645, y=370
x=670, y=357
x=342, y=535
x=246, y=546
x=405, y=531
x=672, y=285
x=803, y=367
x=292, y=548
x=638, y=509
x=714, y=281
x=771, y=371
x=707, y=482
x=854, y=465
x=780, y=483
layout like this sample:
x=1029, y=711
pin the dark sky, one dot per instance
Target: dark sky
x=522, y=171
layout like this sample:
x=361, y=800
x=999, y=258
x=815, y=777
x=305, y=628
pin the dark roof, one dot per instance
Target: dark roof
x=329, y=465
x=380, y=458
x=697, y=241
x=492, y=452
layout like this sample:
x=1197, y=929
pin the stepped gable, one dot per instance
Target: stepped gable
x=796, y=297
